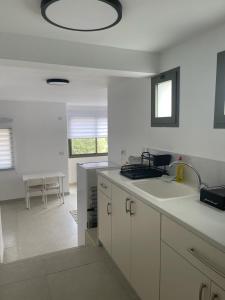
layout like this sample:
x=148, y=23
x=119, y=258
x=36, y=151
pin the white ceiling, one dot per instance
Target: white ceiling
x=151, y=25
x=147, y=24
x=87, y=87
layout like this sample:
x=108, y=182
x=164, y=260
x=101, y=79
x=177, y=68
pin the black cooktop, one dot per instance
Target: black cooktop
x=140, y=171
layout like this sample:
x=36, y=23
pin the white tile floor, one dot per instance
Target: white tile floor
x=84, y=273
x=38, y=231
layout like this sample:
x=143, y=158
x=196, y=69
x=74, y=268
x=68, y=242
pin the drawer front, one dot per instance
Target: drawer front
x=201, y=254
x=104, y=186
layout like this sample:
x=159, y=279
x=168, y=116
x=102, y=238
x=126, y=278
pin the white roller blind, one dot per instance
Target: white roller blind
x=87, y=123
x=6, y=150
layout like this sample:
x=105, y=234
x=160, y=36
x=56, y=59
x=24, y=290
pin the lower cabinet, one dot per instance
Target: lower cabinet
x=145, y=250
x=121, y=233
x=105, y=221
x=142, y=243
x=217, y=293
x=136, y=243
x=179, y=279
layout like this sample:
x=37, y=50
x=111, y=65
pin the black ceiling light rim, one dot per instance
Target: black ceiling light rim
x=57, y=81
x=113, y=3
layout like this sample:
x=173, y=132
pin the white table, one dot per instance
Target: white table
x=37, y=176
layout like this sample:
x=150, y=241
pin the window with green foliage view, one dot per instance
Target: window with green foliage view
x=88, y=146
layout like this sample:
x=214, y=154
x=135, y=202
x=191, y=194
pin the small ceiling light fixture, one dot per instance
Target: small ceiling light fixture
x=82, y=15
x=57, y=81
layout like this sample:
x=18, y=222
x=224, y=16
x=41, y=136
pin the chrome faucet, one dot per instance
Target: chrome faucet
x=180, y=162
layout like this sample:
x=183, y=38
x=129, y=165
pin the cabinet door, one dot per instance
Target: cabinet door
x=145, y=250
x=121, y=230
x=179, y=279
x=217, y=293
x=104, y=221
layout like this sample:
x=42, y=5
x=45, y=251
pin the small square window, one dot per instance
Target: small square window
x=165, y=99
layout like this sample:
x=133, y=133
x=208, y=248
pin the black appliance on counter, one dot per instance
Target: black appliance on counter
x=214, y=196
x=151, y=166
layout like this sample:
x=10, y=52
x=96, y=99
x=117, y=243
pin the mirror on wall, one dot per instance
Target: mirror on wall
x=219, y=115
x=165, y=99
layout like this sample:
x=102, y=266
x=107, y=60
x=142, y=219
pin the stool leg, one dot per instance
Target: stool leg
x=46, y=200
x=27, y=197
x=59, y=195
x=63, y=195
x=27, y=201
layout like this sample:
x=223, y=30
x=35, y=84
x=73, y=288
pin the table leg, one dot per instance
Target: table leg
x=27, y=197
x=63, y=190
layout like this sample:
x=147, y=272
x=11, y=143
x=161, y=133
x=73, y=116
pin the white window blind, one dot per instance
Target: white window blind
x=87, y=123
x=6, y=149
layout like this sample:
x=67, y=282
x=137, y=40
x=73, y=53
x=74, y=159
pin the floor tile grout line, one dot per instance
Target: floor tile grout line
x=46, y=273
x=43, y=256
x=17, y=209
x=75, y=267
x=23, y=280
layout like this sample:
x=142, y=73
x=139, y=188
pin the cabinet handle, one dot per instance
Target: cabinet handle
x=214, y=297
x=109, y=211
x=127, y=205
x=132, y=212
x=205, y=261
x=202, y=287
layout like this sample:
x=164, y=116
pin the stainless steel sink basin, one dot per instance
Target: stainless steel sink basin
x=165, y=190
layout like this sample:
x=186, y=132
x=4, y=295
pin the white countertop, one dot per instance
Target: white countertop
x=98, y=165
x=201, y=219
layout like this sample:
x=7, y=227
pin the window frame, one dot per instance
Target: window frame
x=12, y=168
x=219, y=116
x=71, y=155
x=174, y=76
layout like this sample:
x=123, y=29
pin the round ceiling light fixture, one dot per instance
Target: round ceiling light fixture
x=57, y=81
x=82, y=15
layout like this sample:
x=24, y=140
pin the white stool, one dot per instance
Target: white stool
x=32, y=189
x=52, y=184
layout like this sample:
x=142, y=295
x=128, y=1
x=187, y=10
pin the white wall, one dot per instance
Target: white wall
x=81, y=160
x=129, y=105
x=40, y=142
x=128, y=116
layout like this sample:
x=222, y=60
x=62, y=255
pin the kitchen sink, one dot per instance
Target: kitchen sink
x=166, y=190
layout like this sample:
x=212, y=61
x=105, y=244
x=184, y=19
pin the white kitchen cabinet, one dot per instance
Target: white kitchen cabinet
x=179, y=279
x=217, y=293
x=201, y=254
x=105, y=221
x=136, y=243
x=145, y=250
x=161, y=258
x=104, y=186
x=121, y=231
